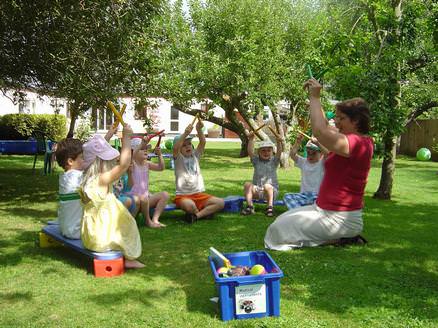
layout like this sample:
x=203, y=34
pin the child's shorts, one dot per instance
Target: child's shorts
x=260, y=193
x=200, y=199
x=124, y=197
x=293, y=200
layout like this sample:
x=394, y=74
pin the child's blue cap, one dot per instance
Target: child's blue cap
x=175, y=140
x=312, y=146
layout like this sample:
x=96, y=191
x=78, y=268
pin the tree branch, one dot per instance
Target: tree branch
x=420, y=110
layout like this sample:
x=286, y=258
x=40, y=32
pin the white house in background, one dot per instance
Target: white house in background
x=32, y=104
x=168, y=117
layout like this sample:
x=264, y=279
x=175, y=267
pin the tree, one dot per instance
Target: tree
x=385, y=52
x=84, y=51
x=240, y=55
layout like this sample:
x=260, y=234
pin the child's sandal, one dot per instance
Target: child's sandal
x=248, y=210
x=269, y=211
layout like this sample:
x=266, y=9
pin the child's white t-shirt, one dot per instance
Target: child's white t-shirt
x=311, y=174
x=70, y=211
x=188, y=177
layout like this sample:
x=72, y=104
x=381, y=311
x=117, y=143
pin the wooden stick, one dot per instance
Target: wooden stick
x=303, y=134
x=156, y=134
x=116, y=113
x=274, y=132
x=260, y=127
x=158, y=143
x=309, y=71
x=194, y=120
x=116, y=122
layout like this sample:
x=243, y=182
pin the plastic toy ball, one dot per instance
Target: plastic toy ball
x=169, y=144
x=330, y=115
x=423, y=154
x=257, y=270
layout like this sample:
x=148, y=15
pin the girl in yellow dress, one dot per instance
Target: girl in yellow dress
x=107, y=224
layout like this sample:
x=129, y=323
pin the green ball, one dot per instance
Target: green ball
x=423, y=154
x=169, y=144
x=330, y=115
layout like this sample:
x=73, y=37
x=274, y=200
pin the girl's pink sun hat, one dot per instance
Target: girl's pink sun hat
x=97, y=146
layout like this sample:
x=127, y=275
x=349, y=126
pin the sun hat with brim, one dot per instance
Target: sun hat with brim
x=310, y=145
x=175, y=140
x=265, y=144
x=97, y=146
x=135, y=143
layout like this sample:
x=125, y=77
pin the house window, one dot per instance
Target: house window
x=174, y=119
x=57, y=105
x=102, y=118
x=26, y=107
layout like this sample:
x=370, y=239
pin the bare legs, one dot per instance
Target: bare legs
x=248, y=190
x=158, y=202
x=253, y=192
x=213, y=205
x=144, y=208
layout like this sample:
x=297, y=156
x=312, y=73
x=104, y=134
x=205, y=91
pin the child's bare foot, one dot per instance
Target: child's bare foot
x=159, y=223
x=133, y=264
x=152, y=224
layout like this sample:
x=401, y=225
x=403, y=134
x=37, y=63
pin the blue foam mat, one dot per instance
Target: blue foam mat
x=53, y=231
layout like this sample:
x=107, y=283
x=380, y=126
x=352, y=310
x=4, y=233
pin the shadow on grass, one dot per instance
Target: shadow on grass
x=14, y=297
x=396, y=271
x=393, y=271
x=389, y=273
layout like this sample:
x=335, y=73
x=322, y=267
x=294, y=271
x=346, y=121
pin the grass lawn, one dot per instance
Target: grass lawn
x=392, y=282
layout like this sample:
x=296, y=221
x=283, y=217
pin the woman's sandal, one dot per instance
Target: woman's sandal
x=269, y=211
x=248, y=210
x=356, y=240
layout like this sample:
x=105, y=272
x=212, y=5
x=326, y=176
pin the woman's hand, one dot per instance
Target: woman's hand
x=313, y=87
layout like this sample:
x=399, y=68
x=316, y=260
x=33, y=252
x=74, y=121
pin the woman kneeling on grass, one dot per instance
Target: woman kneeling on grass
x=336, y=218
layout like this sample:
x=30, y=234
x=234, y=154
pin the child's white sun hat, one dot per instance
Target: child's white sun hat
x=97, y=146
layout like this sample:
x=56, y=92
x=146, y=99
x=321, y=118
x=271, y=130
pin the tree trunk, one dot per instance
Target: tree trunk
x=243, y=146
x=284, y=160
x=73, y=118
x=390, y=142
x=388, y=167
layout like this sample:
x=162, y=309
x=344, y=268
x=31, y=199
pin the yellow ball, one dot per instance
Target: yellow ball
x=257, y=270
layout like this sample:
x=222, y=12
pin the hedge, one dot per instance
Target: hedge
x=21, y=126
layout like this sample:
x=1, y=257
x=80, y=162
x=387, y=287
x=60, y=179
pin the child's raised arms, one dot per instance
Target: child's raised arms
x=107, y=178
x=180, y=141
x=201, y=146
x=250, y=147
x=296, y=146
x=160, y=165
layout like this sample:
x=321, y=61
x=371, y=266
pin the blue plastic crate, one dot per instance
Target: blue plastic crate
x=18, y=147
x=249, y=296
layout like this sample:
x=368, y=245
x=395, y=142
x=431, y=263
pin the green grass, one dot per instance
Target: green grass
x=392, y=282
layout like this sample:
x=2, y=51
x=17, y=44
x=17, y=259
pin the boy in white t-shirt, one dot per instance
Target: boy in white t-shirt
x=190, y=190
x=69, y=156
x=312, y=172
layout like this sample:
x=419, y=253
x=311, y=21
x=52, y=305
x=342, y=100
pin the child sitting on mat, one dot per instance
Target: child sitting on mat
x=264, y=183
x=107, y=224
x=190, y=195
x=69, y=156
x=122, y=187
x=140, y=182
x=312, y=172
